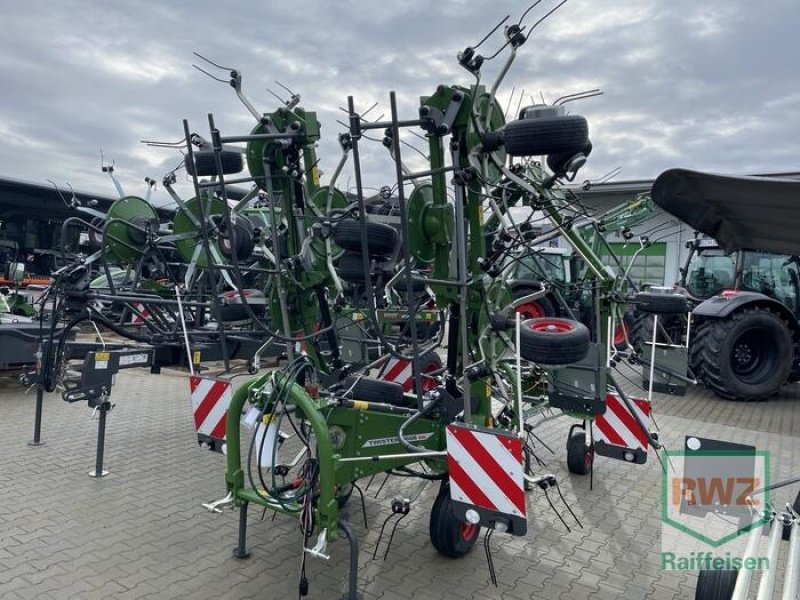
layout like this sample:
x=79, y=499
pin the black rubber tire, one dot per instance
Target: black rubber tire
x=375, y=390
x=699, y=332
x=96, y=237
x=548, y=135
x=580, y=458
x=350, y=267
x=417, y=287
x=557, y=163
x=236, y=311
x=622, y=334
x=553, y=341
x=543, y=307
x=715, y=584
x=232, y=162
x=382, y=238
x=661, y=304
x=343, y=494
x=451, y=536
x=719, y=341
x=787, y=530
x=245, y=240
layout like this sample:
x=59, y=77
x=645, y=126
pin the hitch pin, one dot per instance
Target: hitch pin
x=318, y=551
x=215, y=506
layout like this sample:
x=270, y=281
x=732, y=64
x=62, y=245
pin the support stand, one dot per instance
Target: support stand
x=240, y=551
x=37, y=420
x=104, y=407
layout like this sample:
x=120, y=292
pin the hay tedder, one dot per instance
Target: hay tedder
x=429, y=370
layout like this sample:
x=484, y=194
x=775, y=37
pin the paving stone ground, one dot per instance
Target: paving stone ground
x=141, y=532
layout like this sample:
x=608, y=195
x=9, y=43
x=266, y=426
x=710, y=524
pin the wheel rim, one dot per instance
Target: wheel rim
x=468, y=531
x=427, y=382
x=752, y=357
x=620, y=334
x=531, y=310
x=588, y=460
x=554, y=326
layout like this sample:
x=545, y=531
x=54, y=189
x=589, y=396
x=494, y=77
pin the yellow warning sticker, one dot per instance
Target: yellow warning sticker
x=102, y=356
x=196, y=357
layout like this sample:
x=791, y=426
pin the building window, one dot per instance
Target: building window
x=648, y=267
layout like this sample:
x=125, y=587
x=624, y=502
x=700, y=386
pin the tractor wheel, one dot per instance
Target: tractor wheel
x=580, y=457
x=382, y=238
x=746, y=356
x=206, y=164
x=547, y=135
x=715, y=584
x=543, y=307
x=552, y=341
x=350, y=267
x=699, y=334
x=449, y=534
x=661, y=304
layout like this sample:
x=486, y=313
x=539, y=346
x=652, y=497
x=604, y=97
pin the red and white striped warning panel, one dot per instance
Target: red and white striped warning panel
x=618, y=434
x=400, y=370
x=486, y=475
x=137, y=318
x=210, y=400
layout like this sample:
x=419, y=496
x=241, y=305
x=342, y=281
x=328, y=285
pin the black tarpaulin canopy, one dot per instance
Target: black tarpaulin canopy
x=754, y=213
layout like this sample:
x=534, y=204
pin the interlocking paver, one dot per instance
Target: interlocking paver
x=140, y=533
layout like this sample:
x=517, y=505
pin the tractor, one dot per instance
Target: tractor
x=744, y=284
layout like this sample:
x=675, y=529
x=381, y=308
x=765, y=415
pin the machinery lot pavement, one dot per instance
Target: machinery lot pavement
x=141, y=532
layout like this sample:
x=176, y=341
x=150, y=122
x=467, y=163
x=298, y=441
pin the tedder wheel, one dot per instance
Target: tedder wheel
x=232, y=162
x=95, y=236
x=449, y=534
x=232, y=308
x=546, y=135
x=382, y=238
x=745, y=356
x=245, y=240
x=661, y=304
x=580, y=457
x=552, y=341
x=543, y=307
x=560, y=162
x=715, y=584
x=350, y=267
x=343, y=494
x=375, y=390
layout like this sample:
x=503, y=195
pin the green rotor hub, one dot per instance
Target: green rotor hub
x=429, y=224
x=319, y=200
x=125, y=242
x=183, y=224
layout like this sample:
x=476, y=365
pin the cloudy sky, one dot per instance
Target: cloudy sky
x=708, y=84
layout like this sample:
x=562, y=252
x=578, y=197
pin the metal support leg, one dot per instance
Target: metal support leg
x=241, y=547
x=352, y=591
x=101, y=440
x=37, y=420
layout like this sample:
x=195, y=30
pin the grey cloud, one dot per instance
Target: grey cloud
x=704, y=85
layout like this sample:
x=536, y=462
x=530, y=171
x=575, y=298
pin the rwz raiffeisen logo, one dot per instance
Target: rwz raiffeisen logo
x=711, y=496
